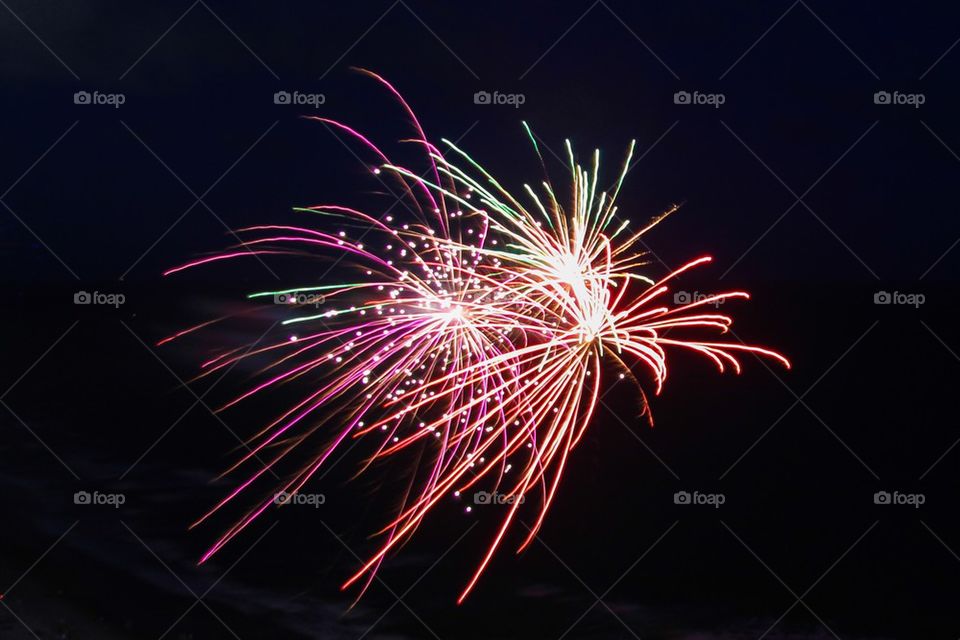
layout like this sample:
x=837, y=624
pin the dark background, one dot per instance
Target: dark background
x=808, y=194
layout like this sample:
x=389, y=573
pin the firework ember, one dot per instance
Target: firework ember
x=474, y=331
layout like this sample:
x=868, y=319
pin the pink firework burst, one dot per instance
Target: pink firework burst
x=474, y=330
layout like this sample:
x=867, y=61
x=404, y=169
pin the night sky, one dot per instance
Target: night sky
x=815, y=150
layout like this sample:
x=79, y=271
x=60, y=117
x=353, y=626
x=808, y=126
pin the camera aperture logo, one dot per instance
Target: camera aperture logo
x=495, y=497
x=697, y=98
x=96, y=98
x=297, y=98
x=512, y=99
x=689, y=297
x=314, y=500
x=897, y=498
x=299, y=298
x=96, y=498
x=110, y=299
x=897, y=98
x=908, y=299
x=711, y=499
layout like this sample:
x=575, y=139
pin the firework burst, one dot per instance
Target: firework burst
x=475, y=331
